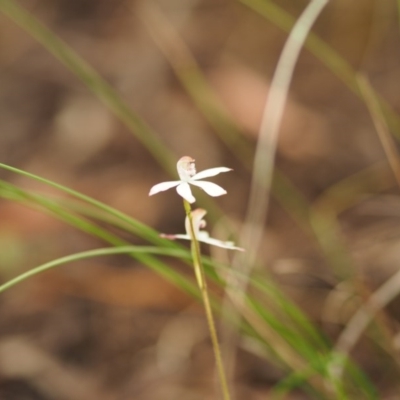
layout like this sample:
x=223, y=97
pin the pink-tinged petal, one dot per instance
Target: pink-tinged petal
x=210, y=172
x=173, y=237
x=160, y=187
x=210, y=188
x=167, y=236
x=218, y=243
x=186, y=168
x=183, y=190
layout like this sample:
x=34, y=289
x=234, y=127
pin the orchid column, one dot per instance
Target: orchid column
x=194, y=222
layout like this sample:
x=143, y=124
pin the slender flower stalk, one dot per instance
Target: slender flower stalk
x=201, y=281
x=194, y=223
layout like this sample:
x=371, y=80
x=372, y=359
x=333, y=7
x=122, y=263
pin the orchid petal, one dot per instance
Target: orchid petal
x=210, y=188
x=167, y=236
x=218, y=243
x=210, y=172
x=160, y=187
x=183, y=190
x=182, y=236
x=204, y=237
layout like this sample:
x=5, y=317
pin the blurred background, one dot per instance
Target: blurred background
x=197, y=74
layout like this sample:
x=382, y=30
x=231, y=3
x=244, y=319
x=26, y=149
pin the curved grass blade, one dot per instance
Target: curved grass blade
x=129, y=250
x=137, y=227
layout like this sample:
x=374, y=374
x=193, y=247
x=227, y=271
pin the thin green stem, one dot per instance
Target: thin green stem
x=81, y=256
x=201, y=280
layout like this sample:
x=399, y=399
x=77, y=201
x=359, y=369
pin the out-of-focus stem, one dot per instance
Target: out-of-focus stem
x=200, y=276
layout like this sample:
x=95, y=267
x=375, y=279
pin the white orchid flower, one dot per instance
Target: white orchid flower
x=187, y=175
x=201, y=236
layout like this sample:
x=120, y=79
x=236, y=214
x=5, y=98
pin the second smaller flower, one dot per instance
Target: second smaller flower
x=201, y=236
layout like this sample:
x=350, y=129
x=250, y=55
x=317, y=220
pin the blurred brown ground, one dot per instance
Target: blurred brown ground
x=100, y=330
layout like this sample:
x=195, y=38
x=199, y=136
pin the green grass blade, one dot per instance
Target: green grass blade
x=298, y=342
x=292, y=314
x=297, y=379
x=130, y=250
x=137, y=227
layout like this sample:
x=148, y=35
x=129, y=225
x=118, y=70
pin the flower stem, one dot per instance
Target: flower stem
x=201, y=281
